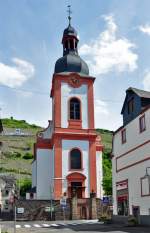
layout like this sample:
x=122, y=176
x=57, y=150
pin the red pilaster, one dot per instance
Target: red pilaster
x=90, y=105
x=92, y=165
x=57, y=103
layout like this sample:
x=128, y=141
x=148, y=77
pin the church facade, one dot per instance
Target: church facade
x=68, y=153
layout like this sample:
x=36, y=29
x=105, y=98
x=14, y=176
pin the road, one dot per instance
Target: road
x=85, y=226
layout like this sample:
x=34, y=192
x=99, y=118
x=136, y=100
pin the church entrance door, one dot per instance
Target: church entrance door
x=76, y=188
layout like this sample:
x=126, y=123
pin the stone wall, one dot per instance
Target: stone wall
x=75, y=209
x=35, y=210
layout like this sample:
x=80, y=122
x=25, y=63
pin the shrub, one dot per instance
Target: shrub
x=16, y=155
x=11, y=154
x=132, y=221
x=28, y=156
x=25, y=185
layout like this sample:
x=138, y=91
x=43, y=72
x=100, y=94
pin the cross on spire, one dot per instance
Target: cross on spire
x=69, y=13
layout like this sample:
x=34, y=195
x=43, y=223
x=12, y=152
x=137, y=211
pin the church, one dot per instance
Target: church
x=68, y=153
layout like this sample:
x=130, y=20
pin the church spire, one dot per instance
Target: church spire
x=70, y=61
x=69, y=14
x=70, y=40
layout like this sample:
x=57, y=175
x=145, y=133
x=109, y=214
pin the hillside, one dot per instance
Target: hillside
x=17, y=150
x=17, y=147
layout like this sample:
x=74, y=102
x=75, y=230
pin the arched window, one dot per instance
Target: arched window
x=75, y=159
x=74, y=109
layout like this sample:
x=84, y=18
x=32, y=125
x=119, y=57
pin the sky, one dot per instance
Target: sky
x=114, y=40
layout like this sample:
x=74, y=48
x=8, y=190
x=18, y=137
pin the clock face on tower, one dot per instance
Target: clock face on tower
x=74, y=81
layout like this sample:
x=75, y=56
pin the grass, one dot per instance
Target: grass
x=13, y=123
x=13, y=170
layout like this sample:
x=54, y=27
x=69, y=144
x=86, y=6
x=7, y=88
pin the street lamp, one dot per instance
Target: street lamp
x=146, y=177
x=147, y=174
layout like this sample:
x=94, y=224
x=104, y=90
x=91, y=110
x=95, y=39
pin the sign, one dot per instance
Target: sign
x=105, y=200
x=20, y=210
x=49, y=209
x=63, y=202
x=122, y=185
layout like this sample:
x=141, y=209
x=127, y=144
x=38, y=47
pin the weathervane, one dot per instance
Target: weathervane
x=69, y=13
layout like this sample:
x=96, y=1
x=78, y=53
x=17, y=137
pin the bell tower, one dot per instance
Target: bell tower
x=75, y=149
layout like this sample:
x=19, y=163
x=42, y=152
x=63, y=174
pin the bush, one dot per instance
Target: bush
x=28, y=156
x=132, y=221
x=25, y=185
x=11, y=154
x=16, y=155
x=105, y=218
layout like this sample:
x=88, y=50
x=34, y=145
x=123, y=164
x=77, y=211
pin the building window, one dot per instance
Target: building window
x=142, y=123
x=123, y=135
x=75, y=159
x=130, y=106
x=74, y=109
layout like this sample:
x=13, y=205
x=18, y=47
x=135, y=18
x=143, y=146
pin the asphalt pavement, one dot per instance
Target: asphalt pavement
x=81, y=226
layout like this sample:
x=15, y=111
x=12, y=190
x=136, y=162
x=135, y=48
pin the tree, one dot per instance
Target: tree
x=107, y=173
x=25, y=185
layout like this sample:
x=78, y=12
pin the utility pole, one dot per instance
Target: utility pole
x=51, y=202
x=15, y=219
x=19, y=185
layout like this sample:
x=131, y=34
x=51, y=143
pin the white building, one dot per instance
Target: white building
x=131, y=157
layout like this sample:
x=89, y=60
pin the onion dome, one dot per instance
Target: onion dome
x=70, y=61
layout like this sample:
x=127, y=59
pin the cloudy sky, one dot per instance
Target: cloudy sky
x=114, y=41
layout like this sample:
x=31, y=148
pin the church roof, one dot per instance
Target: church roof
x=70, y=31
x=71, y=61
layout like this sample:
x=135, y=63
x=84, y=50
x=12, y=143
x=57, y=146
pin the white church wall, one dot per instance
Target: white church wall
x=44, y=168
x=66, y=93
x=34, y=174
x=47, y=133
x=67, y=145
x=99, y=174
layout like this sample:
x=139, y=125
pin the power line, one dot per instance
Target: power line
x=48, y=94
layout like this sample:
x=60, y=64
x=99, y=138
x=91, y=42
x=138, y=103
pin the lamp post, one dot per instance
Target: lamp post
x=147, y=174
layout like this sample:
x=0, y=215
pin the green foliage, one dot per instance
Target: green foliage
x=132, y=221
x=13, y=123
x=25, y=185
x=107, y=173
x=28, y=156
x=13, y=170
x=106, y=136
x=12, y=155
